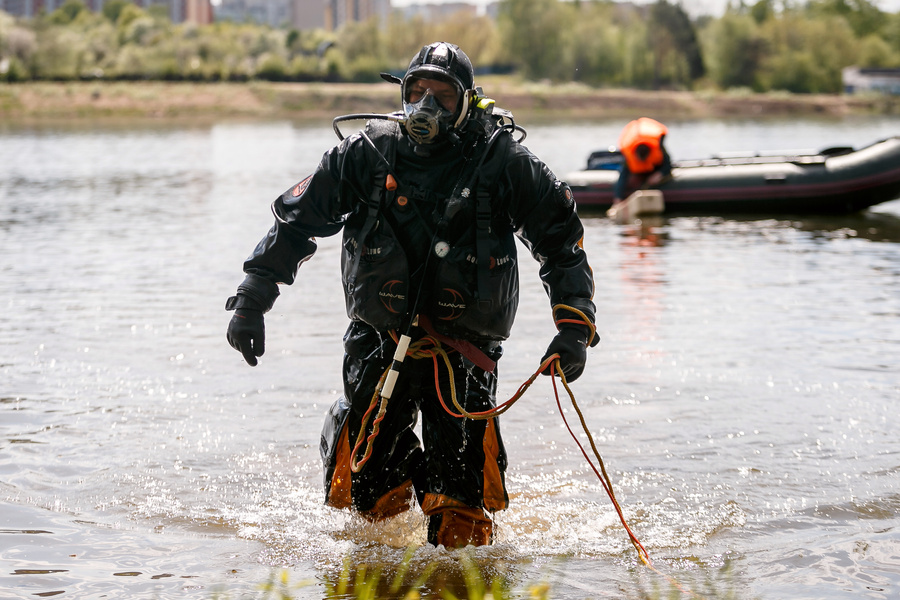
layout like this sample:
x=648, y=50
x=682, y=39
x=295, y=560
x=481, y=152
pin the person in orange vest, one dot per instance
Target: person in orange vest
x=646, y=163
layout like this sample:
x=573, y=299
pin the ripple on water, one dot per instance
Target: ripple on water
x=58, y=554
x=745, y=387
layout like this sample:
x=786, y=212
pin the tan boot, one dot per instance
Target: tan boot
x=459, y=527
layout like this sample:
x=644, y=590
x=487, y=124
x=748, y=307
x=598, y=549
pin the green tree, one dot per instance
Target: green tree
x=796, y=45
x=112, y=10
x=677, y=57
x=532, y=36
x=735, y=50
x=404, y=37
x=593, y=50
x=807, y=55
x=864, y=17
x=68, y=12
x=272, y=67
x=892, y=32
x=362, y=47
x=762, y=11
x=58, y=54
x=638, y=68
x=18, y=45
x=129, y=13
x=476, y=35
x=875, y=51
x=101, y=47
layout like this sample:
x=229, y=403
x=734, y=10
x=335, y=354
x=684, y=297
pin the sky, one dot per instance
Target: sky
x=693, y=7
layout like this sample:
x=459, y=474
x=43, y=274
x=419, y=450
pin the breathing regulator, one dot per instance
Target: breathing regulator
x=439, y=75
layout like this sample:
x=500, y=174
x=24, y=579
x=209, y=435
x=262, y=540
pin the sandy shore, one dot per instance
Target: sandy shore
x=161, y=100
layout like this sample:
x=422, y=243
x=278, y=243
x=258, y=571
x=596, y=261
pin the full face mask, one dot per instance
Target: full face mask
x=426, y=120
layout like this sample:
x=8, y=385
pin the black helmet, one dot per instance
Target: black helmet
x=445, y=62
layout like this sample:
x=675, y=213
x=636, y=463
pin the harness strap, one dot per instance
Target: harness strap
x=384, y=184
x=483, y=222
x=467, y=349
x=483, y=247
x=371, y=219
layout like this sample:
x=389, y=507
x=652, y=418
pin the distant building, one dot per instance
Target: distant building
x=198, y=11
x=886, y=81
x=340, y=12
x=276, y=13
x=28, y=8
x=437, y=12
x=302, y=14
x=308, y=14
x=179, y=11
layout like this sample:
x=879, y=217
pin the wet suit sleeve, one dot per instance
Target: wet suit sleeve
x=315, y=207
x=542, y=211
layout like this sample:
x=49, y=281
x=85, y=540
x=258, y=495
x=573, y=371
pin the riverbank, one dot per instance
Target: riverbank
x=203, y=101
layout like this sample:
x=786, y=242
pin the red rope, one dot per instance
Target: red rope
x=552, y=362
x=605, y=481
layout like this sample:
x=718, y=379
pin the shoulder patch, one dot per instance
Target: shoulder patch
x=564, y=193
x=301, y=187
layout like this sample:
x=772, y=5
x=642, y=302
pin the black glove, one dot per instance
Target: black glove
x=247, y=334
x=571, y=345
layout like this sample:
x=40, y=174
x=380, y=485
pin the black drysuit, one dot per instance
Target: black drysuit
x=431, y=235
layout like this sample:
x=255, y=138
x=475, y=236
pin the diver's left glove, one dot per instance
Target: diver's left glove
x=571, y=344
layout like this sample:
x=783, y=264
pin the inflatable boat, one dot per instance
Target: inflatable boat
x=832, y=181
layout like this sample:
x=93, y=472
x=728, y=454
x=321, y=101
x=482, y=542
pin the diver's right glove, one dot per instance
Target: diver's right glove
x=247, y=334
x=247, y=328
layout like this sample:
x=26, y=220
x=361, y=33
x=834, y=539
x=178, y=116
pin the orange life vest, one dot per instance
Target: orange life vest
x=644, y=131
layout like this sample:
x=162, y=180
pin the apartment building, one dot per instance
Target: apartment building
x=339, y=12
x=302, y=14
x=277, y=13
x=308, y=14
x=179, y=11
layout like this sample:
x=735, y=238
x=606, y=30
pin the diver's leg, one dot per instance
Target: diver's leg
x=465, y=461
x=383, y=487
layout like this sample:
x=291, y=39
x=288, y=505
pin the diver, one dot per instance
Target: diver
x=429, y=201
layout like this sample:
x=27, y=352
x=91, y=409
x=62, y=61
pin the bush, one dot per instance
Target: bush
x=272, y=67
x=600, y=43
x=365, y=69
x=12, y=70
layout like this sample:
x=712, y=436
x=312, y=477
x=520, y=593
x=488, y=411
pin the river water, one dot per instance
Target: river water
x=745, y=396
